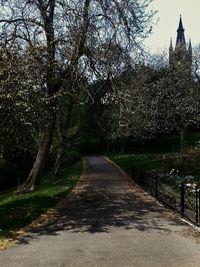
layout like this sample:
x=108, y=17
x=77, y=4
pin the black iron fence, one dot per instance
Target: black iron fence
x=183, y=196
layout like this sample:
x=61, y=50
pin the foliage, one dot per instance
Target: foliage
x=171, y=167
x=188, y=162
x=71, y=156
x=145, y=100
x=57, y=48
x=141, y=160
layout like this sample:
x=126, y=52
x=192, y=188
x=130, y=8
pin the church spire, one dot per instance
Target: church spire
x=190, y=44
x=171, y=45
x=181, y=55
x=180, y=40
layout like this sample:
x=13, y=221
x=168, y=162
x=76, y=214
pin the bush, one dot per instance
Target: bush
x=71, y=156
x=14, y=169
x=187, y=163
x=8, y=175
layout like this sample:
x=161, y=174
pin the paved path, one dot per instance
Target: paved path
x=108, y=222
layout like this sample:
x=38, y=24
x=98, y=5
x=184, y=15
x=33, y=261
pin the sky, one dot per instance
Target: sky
x=169, y=12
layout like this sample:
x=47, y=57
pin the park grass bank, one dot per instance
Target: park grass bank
x=145, y=161
x=19, y=210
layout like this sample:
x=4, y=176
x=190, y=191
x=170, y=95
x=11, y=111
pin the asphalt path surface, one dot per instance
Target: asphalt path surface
x=108, y=222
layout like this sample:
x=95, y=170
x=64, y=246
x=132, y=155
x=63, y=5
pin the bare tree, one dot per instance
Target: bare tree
x=150, y=99
x=69, y=34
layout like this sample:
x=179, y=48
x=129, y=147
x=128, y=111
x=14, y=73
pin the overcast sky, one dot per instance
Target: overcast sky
x=169, y=13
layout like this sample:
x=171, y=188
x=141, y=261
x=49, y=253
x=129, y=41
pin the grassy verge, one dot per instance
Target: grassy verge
x=18, y=211
x=145, y=161
x=161, y=163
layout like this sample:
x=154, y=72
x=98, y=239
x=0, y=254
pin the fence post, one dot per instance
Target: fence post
x=196, y=205
x=182, y=198
x=156, y=186
x=199, y=206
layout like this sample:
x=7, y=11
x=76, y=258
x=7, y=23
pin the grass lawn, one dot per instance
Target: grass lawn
x=145, y=161
x=170, y=168
x=17, y=211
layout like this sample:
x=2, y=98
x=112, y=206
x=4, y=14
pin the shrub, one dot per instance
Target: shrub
x=187, y=163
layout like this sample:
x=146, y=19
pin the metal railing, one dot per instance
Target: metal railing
x=183, y=197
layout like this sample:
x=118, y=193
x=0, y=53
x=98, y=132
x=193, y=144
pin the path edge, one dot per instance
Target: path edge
x=45, y=218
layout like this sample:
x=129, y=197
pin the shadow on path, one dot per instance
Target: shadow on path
x=107, y=199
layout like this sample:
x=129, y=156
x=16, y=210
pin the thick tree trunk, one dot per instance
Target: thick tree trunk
x=34, y=177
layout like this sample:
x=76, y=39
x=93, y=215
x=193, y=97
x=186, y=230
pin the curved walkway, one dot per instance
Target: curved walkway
x=108, y=222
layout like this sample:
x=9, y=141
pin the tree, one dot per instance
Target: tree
x=151, y=99
x=67, y=35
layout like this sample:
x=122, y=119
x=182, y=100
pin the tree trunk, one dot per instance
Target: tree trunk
x=143, y=145
x=122, y=148
x=101, y=148
x=123, y=145
x=58, y=160
x=182, y=138
x=34, y=177
x=108, y=145
x=113, y=146
x=1, y=151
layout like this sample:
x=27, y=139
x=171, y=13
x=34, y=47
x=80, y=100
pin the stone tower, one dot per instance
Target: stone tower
x=180, y=57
